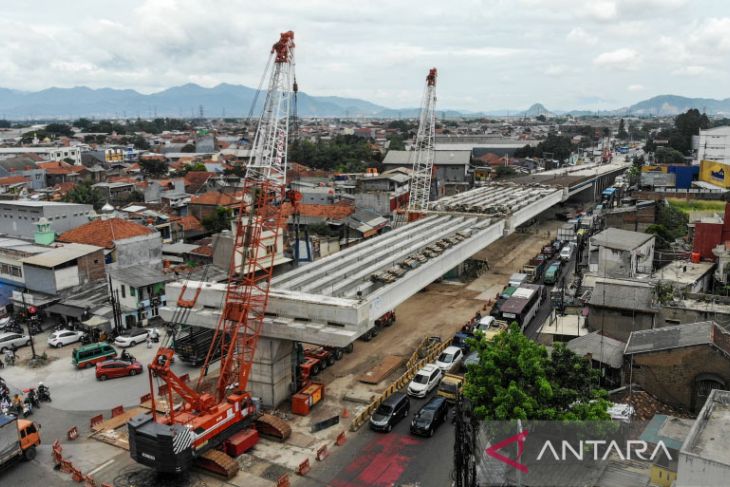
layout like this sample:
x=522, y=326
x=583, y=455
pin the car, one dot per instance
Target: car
x=430, y=417
x=450, y=359
x=110, y=369
x=394, y=408
x=130, y=338
x=60, y=338
x=425, y=381
x=471, y=359
x=566, y=253
x=485, y=323
x=11, y=341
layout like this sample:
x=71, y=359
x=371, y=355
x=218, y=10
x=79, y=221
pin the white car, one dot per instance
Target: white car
x=486, y=323
x=425, y=381
x=130, y=338
x=566, y=253
x=450, y=359
x=11, y=341
x=64, y=337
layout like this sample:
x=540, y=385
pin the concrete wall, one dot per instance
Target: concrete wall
x=39, y=279
x=670, y=375
x=377, y=201
x=618, y=324
x=271, y=375
x=623, y=263
x=145, y=249
x=91, y=266
x=635, y=220
x=20, y=221
x=693, y=471
x=66, y=277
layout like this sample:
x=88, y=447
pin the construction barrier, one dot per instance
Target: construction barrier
x=283, y=481
x=304, y=467
x=322, y=453
x=341, y=439
x=95, y=420
x=162, y=390
x=73, y=433
x=145, y=398
x=66, y=466
x=117, y=411
x=419, y=358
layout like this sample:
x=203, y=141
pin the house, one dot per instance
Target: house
x=63, y=267
x=116, y=192
x=24, y=166
x=606, y=354
x=223, y=245
x=703, y=457
x=620, y=253
x=125, y=243
x=364, y=223
x=19, y=218
x=140, y=290
x=58, y=172
x=206, y=204
x=679, y=364
x=14, y=184
x=200, y=181
x=687, y=277
x=384, y=193
x=671, y=432
x=451, y=168
x=619, y=306
x=43, y=153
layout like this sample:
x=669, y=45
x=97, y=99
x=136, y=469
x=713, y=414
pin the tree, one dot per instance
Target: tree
x=84, y=193
x=195, y=167
x=667, y=155
x=504, y=172
x=516, y=379
x=218, y=221
x=622, y=133
x=140, y=143
x=153, y=167
x=541, y=118
x=396, y=143
x=188, y=148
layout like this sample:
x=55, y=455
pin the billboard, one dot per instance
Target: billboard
x=716, y=173
x=654, y=168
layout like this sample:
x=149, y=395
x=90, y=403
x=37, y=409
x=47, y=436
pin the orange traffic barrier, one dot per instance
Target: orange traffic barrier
x=322, y=453
x=341, y=439
x=117, y=411
x=304, y=467
x=145, y=398
x=96, y=420
x=73, y=433
x=345, y=413
x=283, y=481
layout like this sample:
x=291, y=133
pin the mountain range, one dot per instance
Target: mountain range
x=226, y=100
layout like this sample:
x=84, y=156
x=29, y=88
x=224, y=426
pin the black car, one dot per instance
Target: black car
x=390, y=411
x=430, y=417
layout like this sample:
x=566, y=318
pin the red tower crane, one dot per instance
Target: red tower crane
x=170, y=442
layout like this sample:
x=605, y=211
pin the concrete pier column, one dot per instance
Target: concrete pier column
x=272, y=371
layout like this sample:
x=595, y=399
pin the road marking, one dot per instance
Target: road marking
x=105, y=464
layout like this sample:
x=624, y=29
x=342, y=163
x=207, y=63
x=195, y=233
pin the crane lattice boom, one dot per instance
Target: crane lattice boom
x=423, y=148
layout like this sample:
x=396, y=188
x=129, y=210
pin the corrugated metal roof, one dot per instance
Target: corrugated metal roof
x=623, y=294
x=441, y=157
x=603, y=349
x=669, y=337
x=60, y=255
x=615, y=238
x=139, y=275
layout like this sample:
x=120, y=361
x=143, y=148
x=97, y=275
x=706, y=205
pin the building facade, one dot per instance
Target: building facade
x=18, y=218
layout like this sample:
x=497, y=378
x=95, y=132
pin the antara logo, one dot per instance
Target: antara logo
x=520, y=439
x=718, y=174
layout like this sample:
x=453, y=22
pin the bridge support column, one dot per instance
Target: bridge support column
x=272, y=371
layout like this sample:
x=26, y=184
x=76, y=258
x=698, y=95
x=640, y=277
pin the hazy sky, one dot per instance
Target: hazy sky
x=490, y=54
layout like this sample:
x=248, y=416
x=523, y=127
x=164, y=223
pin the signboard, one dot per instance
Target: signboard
x=716, y=173
x=653, y=168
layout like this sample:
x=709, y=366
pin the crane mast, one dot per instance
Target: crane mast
x=169, y=442
x=423, y=149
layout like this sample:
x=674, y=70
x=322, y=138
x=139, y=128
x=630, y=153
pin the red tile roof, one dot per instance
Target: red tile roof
x=13, y=180
x=60, y=167
x=102, y=233
x=194, y=180
x=190, y=223
x=215, y=198
x=337, y=211
x=205, y=250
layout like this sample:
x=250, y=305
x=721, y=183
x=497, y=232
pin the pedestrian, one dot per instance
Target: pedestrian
x=149, y=341
x=486, y=264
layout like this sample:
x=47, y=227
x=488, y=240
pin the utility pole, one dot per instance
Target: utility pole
x=27, y=324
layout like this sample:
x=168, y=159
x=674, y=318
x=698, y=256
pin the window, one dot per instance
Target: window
x=132, y=291
x=124, y=291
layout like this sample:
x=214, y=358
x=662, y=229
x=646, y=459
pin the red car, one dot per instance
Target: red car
x=111, y=369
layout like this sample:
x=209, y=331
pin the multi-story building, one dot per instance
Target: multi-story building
x=18, y=218
x=714, y=145
x=140, y=290
x=46, y=153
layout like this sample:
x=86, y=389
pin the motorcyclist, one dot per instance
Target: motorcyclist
x=17, y=403
x=44, y=393
x=9, y=357
x=32, y=398
x=127, y=356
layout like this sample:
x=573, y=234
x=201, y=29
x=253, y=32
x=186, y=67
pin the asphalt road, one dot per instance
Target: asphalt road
x=376, y=459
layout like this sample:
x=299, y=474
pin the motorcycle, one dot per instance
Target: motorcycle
x=44, y=393
x=126, y=356
x=27, y=408
x=31, y=397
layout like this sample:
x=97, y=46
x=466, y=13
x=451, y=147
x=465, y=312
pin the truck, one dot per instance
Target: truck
x=450, y=387
x=18, y=439
x=191, y=344
x=384, y=321
x=566, y=233
x=552, y=273
x=535, y=268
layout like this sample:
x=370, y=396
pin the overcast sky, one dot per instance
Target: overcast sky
x=491, y=54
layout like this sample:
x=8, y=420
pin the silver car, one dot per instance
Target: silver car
x=11, y=341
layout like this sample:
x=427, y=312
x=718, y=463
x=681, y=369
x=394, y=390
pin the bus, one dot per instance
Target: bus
x=522, y=306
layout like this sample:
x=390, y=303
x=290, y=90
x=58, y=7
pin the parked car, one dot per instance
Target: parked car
x=390, y=411
x=110, y=369
x=485, y=323
x=11, y=341
x=130, y=338
x=552, y=273
x=425, y=380
x=566, y=253
x=450, y=359
x=430, y=417
x=64, y=337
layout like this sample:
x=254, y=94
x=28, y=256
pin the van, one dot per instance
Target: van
x=390, y=411
x=89, y=355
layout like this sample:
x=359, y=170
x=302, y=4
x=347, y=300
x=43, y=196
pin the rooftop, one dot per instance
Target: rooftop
x=708, y=438
x=678, y=336
x=623, y=294
x=40, y=204
x=615, y=238
x=215, y=198
x=603, y=349
x=441, y=157
x=684, y=272
x=140, y=275
x=103, y=233
x=60, y=255
x=669, y=429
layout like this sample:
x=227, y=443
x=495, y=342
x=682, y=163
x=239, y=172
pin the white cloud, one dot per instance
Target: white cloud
x=621, y=59
x=693, y=70
x=636, y=87
x=579, y=35
x=601, y=10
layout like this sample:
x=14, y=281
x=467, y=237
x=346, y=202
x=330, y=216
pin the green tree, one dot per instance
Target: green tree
x=195, y=167
x=622, y=133
x=502, y=172
x=541, y=118
x=140, y=143
x=667, y=155
x=396, y=143
x=153, y=167
x=84, y=193
x=188, y=148
x=58, y=129
x=218, y=221
x=516, y=379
